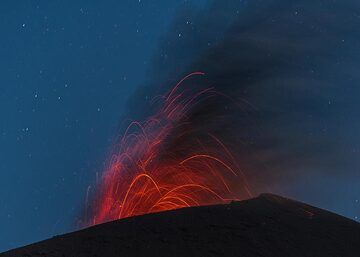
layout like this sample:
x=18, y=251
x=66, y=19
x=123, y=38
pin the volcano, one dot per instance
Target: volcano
x=268, y=225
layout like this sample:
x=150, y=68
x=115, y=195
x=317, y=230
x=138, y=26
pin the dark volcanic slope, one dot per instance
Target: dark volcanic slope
x=268, y=225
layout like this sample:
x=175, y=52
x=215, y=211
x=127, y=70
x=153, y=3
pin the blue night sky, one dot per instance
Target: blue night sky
x=67, y=72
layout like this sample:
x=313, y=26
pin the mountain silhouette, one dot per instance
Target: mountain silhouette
x=268, y=225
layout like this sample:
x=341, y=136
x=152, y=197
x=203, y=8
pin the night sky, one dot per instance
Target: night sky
x=67, y=70
x=71, y=72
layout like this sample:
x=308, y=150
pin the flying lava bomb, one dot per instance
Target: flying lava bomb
x=145, y=176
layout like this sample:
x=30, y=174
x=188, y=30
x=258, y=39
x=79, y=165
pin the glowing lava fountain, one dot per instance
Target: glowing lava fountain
x=139, y=179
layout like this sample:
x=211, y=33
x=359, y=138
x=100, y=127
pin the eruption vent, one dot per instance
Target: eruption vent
x=147, y=173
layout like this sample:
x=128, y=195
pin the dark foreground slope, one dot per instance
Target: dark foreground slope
x=268, y=225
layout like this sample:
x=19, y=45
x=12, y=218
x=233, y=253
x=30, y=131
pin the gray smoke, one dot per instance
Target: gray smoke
x=291, y=69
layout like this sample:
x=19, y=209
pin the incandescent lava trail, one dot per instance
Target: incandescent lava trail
x=144, y=175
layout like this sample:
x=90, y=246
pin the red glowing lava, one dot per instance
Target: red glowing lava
x=139, y=180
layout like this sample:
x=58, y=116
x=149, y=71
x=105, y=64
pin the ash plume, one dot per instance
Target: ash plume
x=286, y=74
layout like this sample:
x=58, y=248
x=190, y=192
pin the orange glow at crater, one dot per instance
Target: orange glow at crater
x=145, y=175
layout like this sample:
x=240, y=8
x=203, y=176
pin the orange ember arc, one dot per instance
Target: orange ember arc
x=139, y=178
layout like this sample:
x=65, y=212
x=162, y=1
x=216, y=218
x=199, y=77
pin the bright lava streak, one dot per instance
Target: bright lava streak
x=138, y=180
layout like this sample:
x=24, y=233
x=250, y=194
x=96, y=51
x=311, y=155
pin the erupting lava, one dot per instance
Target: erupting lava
x=140, y=180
